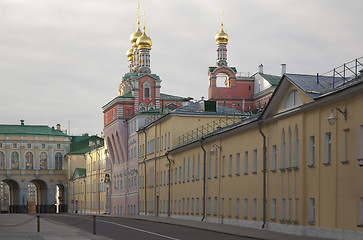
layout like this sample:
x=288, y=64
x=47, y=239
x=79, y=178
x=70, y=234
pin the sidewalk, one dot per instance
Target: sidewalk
x=252, y=233
x=26, y=228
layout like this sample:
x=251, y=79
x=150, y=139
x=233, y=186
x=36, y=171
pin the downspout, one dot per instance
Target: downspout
x=145, y=156
x=264, y=174
x=169, y=161
x=204, y=179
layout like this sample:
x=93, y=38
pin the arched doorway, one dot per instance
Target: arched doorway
x=37, y=191
x=60, y=204
x=10, y=196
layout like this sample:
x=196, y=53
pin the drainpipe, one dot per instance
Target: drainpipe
x=169, y=185
x=264, y=174
x=204, y=178
x=145, y=156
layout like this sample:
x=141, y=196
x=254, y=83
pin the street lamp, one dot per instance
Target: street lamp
x=332, y=119
x=212, y=150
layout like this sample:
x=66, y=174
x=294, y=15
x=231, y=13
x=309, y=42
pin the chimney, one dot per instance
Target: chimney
x=58, y=127
x=260, y=68
x=283, y=68
x=22, y=122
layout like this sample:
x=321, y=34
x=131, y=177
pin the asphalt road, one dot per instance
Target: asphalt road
x=122, y=228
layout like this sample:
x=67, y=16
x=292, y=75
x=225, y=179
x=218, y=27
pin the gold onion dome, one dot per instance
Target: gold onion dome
x=129, y=53
x=144, y=41
x=222, y=37
x=135, y=35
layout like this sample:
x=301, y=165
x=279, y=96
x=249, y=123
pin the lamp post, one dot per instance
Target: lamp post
x=168, y=164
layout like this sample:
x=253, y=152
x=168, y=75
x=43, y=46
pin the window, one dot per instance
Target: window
x=43, y=146
x=216, y=164
x=209, y=206
x=2, y=160
x=360, y=219
x=183, y=205
x=165, y=141
x=273, y=209
x=58, y=146
x=161, y=143
x=222, y=166
x=274, y=155
x=176, y=175
x=254, y=161
x=174, y=206
x=296, y=148
x=184, y=170
x=180, y=174
x=345, y=144
x=311, y=210
x=282, y=210
x=361, y=143
x=198, y=167
x=14, y=160
x=146, y=92
x=157, y=144
x=197, y=206
x=168, y=139
x=222, y=207
x=164, y=177
x=245, y=211
x=58, y=161
x=282, y=166
x=29, y=160
x=293, y=99
x=237, y=208
x=254, y=209
x=193, y=170
x=187, y=206
x=215, y=206
x=171, y=176
x=311, y=151
x=188, y=172
x=230, y=166
x=15, y=145
x=238, y=164
x=179, y=206
x=192, y=210
x=157, y=179
x=288, y=148
x=327, y=149
x=246, y=163
x=29, y=145
x=209, y=165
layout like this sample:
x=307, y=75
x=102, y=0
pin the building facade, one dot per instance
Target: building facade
x=293, y=169
x=33, y=155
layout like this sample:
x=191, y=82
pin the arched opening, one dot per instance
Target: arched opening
x=60, y=205
x=37, y=192
x=222, y=80
x=10, y=197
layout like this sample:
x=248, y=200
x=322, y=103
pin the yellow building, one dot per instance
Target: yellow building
x=88, y=183
x=32, y=165
x=293, y=169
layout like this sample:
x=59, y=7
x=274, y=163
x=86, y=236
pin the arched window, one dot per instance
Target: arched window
x=296, y=148
x=58, y=161
x=43, y=160
x=29, y=160
x=2, y=160
x=147, y=92
x=142, y=109
x=293, y=99
x=222, y=80
x=14, y=160
x=283, y=149
x=288, y=148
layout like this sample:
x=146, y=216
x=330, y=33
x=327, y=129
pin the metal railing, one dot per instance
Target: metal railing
x=347, y=72
x=208, y=128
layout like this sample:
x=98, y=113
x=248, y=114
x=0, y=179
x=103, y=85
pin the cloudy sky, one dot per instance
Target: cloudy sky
x=62, y=60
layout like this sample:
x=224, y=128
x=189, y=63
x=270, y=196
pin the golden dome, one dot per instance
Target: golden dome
x=129, y=53
x=222, y=37
x=135, y=35
x=144, y=41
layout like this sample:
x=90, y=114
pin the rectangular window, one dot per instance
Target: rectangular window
x=246, y=163
x=187, y=206
x=229, y=207
x=209, y=165
x=222, y=207
x=15, y=145
x=197, y=206
x=361, y=143
x=237, y=208
x=215, y=206
x=192, y=210
x=254, y=161
x=168, y=139
x=274, y=155
x=184, y=170
x=193, y=169
x=174, y=206
x=43, y=146
x=311, y=210
x=164, y=177
x=254, y=209
x=327, y=148
x=209, y=206
x=188, y=173
x=183, y=205
x=176, y=175
x=238, y=164
x=157, y=144
x=216, y=164
x=230, y=166
x=161, y=143
x=58, y=146
x=273, y=209
x=345, y=137
x=171, y=176
x=282, y=210
x=179, y=207
x=198, y=167
x=157, y=179
x=180, y=174
x=222, y=166
x=311, y=151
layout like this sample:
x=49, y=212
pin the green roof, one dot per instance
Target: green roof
x=81, y=144
x=81, y=172
x=168, y=97
x=127, y=95
x=272, y=79
x=211, y=69
x=29, y=130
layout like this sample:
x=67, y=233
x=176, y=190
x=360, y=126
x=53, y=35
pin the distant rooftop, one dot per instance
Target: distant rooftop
x=23, y=129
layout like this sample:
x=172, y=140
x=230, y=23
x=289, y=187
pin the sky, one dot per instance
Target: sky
x=62, y=60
